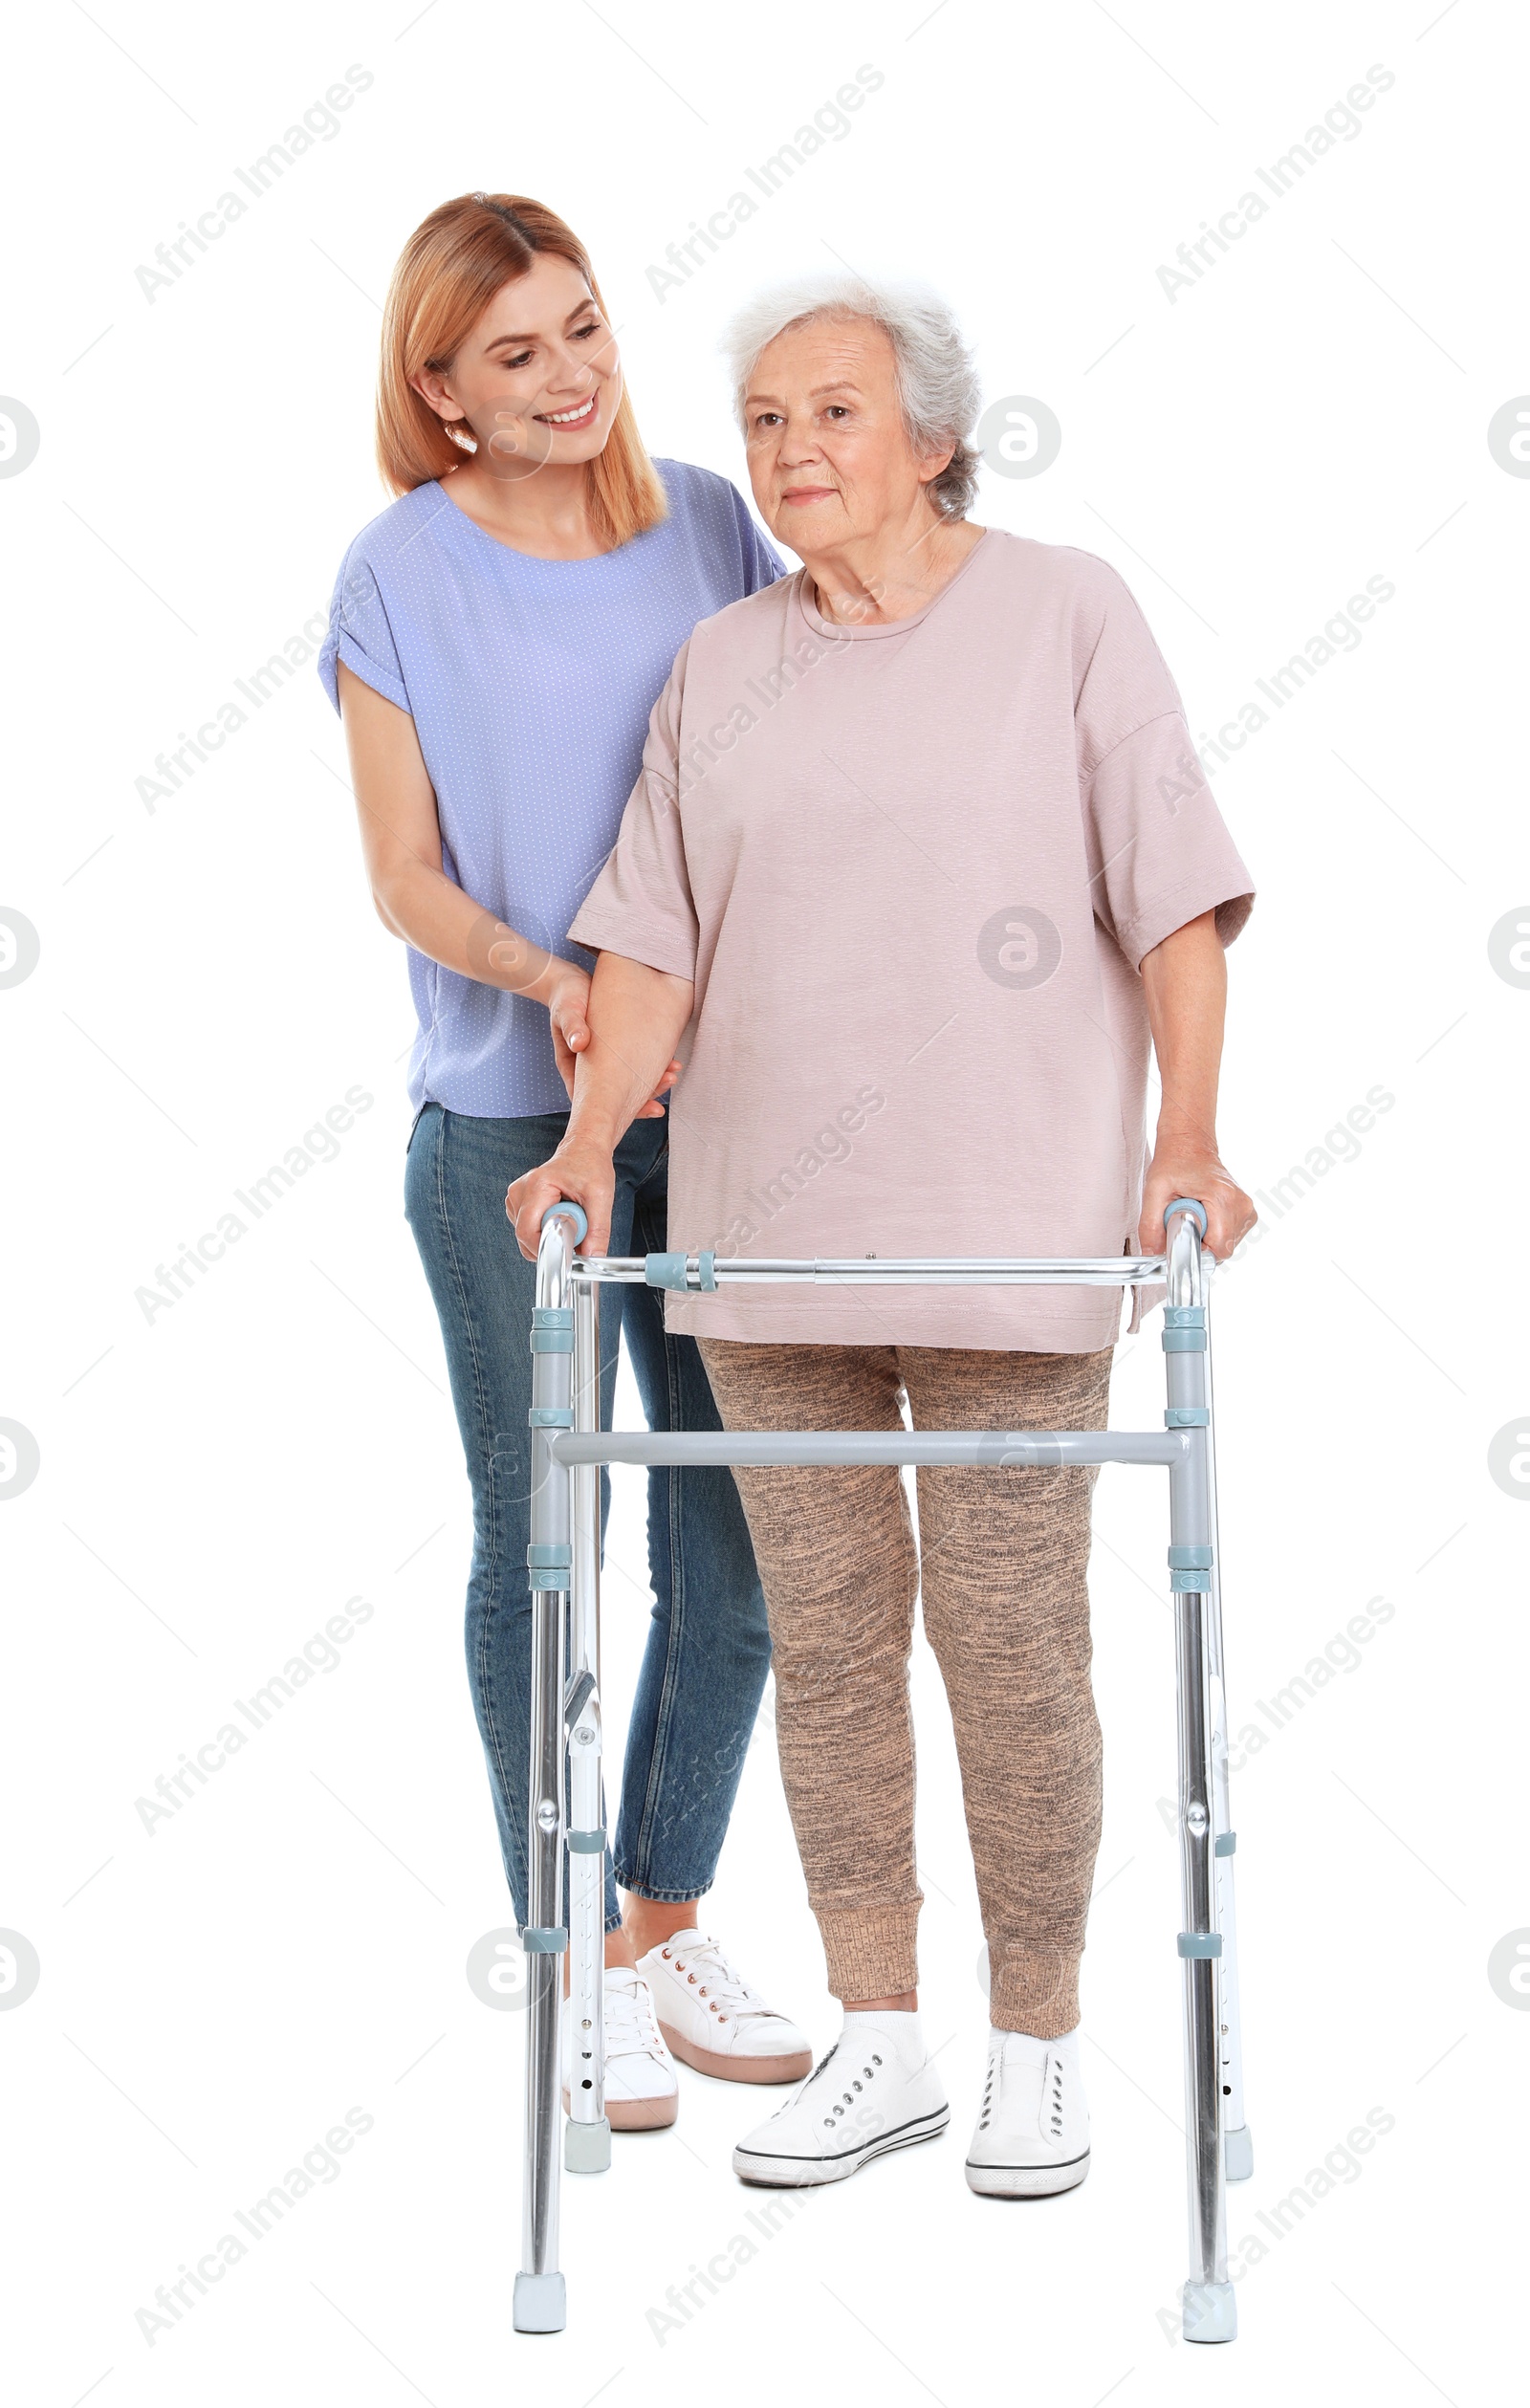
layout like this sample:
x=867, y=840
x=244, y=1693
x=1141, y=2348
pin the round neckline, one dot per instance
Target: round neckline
x=839, y=630
x=536, y=560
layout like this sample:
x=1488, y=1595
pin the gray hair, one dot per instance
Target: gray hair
x=937, y=382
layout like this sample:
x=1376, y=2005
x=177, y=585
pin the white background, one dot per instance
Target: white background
x=217, y=1482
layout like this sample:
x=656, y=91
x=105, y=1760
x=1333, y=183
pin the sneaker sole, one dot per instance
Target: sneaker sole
x=800, y=2174
x=1026, y=2181
x=723, y=2068
x=636, y=2114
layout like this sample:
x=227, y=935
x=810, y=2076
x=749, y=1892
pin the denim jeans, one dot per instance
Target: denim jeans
x=707, y=1647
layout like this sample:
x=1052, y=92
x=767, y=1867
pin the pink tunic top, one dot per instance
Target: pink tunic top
x=913, y=870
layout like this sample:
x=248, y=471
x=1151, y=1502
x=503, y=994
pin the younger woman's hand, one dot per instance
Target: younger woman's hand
x=568, y=1006
x=653, y=1110
x=567, y=1013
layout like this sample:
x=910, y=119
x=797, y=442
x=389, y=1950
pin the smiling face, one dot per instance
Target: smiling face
x=829, y=458
x=538, y=380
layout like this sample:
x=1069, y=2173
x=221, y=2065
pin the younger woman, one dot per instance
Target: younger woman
x=497, y=639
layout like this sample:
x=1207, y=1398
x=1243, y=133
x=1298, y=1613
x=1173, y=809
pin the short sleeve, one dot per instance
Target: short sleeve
x=640, y=903
x=1159, y=853
x=360, y=635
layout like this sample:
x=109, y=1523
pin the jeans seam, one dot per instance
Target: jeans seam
x=657, y=1897
x=490, y=1457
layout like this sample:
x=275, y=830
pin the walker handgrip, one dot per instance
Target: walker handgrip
x=576, y=1212
x=1186, y=1204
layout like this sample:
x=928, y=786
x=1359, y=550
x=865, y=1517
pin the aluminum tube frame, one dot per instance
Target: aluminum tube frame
x=587, y=2135
x=540, y=2304
x=1209, y=2309
x=867, y=1271
x=998, y=1449
x=564, y=1482
x=1237, y=2145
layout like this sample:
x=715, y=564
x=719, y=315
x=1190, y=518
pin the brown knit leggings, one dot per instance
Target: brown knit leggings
x=1004, y=1556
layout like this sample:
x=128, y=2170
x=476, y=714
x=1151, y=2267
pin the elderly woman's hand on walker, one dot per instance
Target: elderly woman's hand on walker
x=615, y=1082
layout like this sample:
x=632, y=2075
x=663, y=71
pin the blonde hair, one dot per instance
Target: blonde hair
x=450, y=270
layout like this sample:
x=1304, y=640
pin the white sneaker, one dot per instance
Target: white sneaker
x=641, y=2089
x=875, y=2090
x=713, y=2021
x=1033, y=2129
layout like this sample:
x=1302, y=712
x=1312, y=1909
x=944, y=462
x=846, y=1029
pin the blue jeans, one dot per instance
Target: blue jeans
x=708, y=1649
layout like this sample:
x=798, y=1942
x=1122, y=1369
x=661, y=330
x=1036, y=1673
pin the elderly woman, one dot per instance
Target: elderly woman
x=920, y=856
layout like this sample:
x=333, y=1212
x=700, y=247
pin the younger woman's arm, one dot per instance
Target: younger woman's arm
x=401, y=840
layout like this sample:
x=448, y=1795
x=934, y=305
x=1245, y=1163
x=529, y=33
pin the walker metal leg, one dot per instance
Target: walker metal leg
x=1238, y=2146
x=567, y=1448
x=1210, y=2312
x=540, y=2305
x=587, y=2135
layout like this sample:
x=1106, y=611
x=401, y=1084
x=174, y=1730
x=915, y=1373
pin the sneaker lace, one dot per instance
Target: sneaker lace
x=728, y=1995
x=630, y=2027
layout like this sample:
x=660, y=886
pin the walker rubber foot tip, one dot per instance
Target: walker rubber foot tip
x=541, y=2305
x=1210, y=2312
x=587, y=2147
x=1238, y=2154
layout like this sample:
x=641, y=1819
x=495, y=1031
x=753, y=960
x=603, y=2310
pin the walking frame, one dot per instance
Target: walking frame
x=568, y=1446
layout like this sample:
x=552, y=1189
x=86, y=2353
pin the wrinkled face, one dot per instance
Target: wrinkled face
x=538, y=380
x=829, y=458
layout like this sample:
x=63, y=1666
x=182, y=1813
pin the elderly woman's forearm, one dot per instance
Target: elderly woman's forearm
x=1185, y=983
x=637, y=1016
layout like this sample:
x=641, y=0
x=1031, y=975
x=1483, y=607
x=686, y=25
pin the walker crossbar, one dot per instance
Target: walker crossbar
x=701, y=1273
x=1033, y=1448
x=566, y=1825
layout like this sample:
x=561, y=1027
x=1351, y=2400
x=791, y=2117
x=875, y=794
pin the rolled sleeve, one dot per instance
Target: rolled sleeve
x=360, y=635
x=641, y=904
